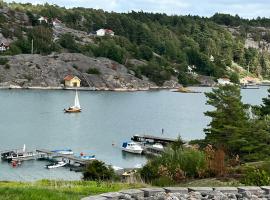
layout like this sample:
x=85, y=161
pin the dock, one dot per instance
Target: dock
x=46, y=154
x=153, y=139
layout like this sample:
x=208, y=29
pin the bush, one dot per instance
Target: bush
x=97, y=170
x=256, y=177
x=3, y=61
x=175, y=165
x=93, y=71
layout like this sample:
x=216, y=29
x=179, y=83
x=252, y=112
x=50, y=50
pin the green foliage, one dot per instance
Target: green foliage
x=93, y=71
x=42, y=38
x=234, y=77
x=67, y=41
x=229, y=118
x=145, y=52
x=97, y=170
x=174, y=166
x=256, y=177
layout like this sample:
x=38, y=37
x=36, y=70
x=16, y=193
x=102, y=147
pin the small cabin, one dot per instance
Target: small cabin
x=224, y=81
x=72, y=81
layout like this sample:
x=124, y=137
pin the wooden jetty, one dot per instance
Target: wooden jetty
x=152, y=139
x=47, y=154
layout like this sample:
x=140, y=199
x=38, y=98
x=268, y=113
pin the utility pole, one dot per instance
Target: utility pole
x=32, y=47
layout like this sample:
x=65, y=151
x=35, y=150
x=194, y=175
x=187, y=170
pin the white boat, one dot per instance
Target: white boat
x=20, y=154
x=76, y=107
x=64, y=151
x=158, y=146
x=85, y=157
x=56, y=165
x=132, y=147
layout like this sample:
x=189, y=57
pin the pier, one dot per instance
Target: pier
x=153, y=139
x=47, y=154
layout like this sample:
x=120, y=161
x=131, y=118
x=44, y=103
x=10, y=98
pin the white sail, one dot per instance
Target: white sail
x=24, y=148
x=76, y=101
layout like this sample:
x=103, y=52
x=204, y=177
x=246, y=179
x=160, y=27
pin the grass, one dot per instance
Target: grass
x=210, y=182
x=55, y=190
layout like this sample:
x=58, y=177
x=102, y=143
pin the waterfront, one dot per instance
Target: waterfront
x=36, y=118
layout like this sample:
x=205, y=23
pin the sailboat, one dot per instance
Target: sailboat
x=77, y=107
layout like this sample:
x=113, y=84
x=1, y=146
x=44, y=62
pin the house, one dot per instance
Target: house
x=249, y=80
x=57, y=23
x=212, y=59
x=224, y=81
x=103, y=32
x=72, y=81
x=4, y=47
x=43, y=19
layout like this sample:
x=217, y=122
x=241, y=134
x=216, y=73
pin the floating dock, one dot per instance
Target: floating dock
x=153, y=139
x=71, y=159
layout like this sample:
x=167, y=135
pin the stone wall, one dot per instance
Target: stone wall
x=191, y=193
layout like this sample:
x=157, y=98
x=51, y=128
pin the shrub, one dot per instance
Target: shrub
x=256, y=177
x=176, y=165
x=93, y=71
x=3, y=61
x=97, y=170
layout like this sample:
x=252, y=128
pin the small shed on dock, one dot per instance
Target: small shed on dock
x=72, y=81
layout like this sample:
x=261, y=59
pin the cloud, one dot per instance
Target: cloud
x=244, y=8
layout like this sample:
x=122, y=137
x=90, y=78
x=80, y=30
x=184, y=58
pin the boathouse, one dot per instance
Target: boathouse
x=72, y=81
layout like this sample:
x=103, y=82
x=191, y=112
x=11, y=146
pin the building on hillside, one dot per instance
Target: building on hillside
x=4, y=47
x=249, y=80
x=57, y=23
x=212, y=59
x=103, y=32
x=72, y=81
x=43, y=19
x=224, y=81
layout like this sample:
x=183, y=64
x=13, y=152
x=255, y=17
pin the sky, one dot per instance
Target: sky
x=244, y=8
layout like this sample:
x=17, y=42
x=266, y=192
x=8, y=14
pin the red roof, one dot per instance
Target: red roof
x=69, y=77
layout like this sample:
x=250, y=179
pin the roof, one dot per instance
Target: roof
x=56, y=20
x=70, y=77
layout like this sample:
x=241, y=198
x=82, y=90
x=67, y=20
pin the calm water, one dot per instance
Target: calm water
x=36, y=118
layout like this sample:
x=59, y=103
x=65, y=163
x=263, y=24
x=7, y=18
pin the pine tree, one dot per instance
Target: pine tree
x=265, y=107
x=229, y=119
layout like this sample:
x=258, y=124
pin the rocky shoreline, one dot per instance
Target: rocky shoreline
x=191, y=193
x=37, y=71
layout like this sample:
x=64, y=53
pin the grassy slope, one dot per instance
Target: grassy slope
x=55, y=190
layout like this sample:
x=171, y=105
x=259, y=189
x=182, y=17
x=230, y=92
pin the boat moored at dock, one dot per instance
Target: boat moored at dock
x=132, y=147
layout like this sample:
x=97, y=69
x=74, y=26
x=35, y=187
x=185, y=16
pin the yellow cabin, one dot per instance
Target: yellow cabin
x=72, y=81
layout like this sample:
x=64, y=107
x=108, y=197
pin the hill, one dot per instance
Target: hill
x=153, y=47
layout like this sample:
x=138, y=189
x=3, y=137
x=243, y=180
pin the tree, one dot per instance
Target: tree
x=264, y=109
x=229, y=119
x=97, y=170
x=68, y=42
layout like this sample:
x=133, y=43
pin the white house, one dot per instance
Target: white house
x=224, y=81
x=4, y=47
x=103, y=32
x=56, y=23
x=43, y=19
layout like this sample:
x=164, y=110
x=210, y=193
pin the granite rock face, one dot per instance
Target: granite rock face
x=27, y=70
x=180, y=193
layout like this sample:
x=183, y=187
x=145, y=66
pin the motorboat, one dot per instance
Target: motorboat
x=64, y=151
x=132, y=147
x=76, y=107
x=56, y=165
x=85, y=157
x=158, y=146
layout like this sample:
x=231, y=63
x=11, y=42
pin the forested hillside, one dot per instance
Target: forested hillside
x=166, y=45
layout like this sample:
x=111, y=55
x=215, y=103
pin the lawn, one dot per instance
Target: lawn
x=55, y=190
